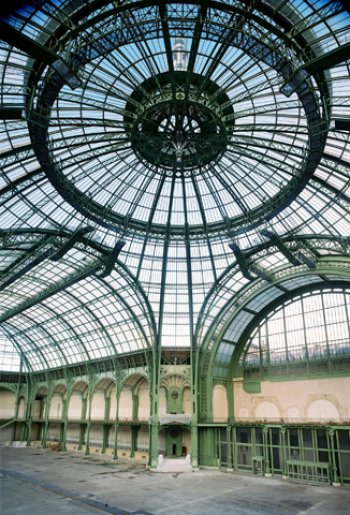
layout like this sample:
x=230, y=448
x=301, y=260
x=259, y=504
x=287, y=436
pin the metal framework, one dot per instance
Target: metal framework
x=171, y=172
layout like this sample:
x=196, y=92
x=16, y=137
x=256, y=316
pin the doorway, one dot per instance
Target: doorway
x=177, y=441
x=174, y=442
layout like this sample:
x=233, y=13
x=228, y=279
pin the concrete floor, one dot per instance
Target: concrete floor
x=38, y=482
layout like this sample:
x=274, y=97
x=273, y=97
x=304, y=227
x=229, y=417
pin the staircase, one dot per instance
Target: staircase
x=174, y=465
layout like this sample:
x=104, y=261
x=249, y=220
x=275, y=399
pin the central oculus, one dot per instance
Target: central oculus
x=178, y=122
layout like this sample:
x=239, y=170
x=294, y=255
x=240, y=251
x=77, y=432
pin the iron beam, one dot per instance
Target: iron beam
x=111, y=259
x=85, y=272
x=275, y=240
x=26, y=268
x=38, y=51
x=27, y=45
x=329, y=59
x=342, y=124
x=69, y=244
x=241, y=260
x=11, y=113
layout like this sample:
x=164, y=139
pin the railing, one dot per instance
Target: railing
x=308, y=471
x=275, y=420
x=8, y=423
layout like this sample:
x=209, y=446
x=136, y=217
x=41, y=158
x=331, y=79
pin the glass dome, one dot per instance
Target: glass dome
x=157, y=158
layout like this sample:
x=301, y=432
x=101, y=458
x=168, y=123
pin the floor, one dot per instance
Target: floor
x=38, y=482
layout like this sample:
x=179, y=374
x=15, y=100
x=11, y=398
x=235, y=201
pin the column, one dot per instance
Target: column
x=82, y=424
x=283, y=447
x=331, y=436
x=229, y=447
x=134, y=434
x=266, y=451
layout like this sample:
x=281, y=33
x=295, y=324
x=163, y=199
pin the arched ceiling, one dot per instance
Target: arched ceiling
x=150, y=150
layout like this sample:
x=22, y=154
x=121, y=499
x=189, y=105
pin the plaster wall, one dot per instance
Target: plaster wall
x=73, y=433
x=75, y=406
x=124, y=438
x=312, y=400
x=7, y=404
x=161, y=441
x=22, y=407
x=186, y=441
x=53, y=432
x=125, y=404
x=36, y=408
x=98, y=406
x=143, y=439
x=162, y=401
x=96, y=435
x=56, y=406
x=35, y=432
x=220, y=406
x=113, y=405
x=6, y=434
x=186, y=401
x=144, y=402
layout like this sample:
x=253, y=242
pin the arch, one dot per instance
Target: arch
x=81, y=386
x=41, y=391
x=322, y=410
x=267, y=410
x=226, y=338
x=134, y=378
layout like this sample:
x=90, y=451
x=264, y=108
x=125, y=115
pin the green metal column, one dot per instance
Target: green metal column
x=116, y=424
x=28, y=426
x=105, y=438
x=64, y=425
x=234, y=448
x=265, y=431
x=230, y=401
x=88, y=421
x=18, y=389
x=154, y=418
x=106, y=426
x=335, y=478
x=46, y=421
x=135, y=407
x=208, y=447
x=81, y=436
x=229, y=447
x=107, y=407
x=82, y=426
x=283, y=433
x=134, y=434
x=194, y=417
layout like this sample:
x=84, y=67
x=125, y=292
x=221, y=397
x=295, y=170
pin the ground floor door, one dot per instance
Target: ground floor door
x=175, y=447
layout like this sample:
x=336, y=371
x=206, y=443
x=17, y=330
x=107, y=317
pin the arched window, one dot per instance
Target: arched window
x=310, y=330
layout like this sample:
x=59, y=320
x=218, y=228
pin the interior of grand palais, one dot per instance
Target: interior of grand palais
x=175, y=257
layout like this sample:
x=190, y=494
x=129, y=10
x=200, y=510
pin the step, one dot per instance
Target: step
x=174, y=464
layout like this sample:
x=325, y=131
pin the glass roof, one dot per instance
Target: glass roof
x=158, y=158
x=318, y=329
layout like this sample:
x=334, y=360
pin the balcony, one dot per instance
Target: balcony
x=175, y=419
